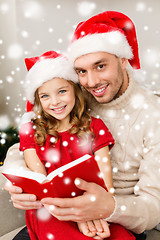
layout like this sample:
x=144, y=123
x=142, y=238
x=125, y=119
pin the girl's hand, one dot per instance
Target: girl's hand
x=87, y=228
x=102, y=228
x=22, y=200
x=97, y=229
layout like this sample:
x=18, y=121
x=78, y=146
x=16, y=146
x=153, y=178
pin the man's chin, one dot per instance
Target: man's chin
x=102, y=100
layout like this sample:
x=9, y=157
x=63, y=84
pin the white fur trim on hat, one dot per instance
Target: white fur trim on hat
x=45, y=70
x=111, y=42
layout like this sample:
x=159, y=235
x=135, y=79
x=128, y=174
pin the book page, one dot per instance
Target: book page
x=39, y=177
x=60, y=170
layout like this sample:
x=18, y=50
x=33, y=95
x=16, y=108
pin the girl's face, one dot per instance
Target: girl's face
x=57, y=98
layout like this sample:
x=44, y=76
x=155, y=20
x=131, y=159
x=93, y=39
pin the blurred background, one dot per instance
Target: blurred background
x=30, y=27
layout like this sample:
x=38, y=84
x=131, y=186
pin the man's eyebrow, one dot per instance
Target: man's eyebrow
x=93, y=64
x=100, y=61
x=77, y=68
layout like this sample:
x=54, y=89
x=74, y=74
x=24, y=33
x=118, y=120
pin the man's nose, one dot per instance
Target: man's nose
x=92, y=79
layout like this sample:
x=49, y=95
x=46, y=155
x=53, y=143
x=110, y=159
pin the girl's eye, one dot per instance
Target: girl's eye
x=62, y=91
x=44, y=96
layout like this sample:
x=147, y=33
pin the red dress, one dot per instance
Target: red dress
x=53, y=156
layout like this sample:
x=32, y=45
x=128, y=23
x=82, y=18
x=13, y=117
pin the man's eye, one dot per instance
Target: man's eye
x=62, y=91
x=81, y=71
x=100, y=66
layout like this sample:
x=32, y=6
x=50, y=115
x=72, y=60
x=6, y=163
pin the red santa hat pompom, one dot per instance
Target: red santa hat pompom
x=43, y=68
x=111, y=32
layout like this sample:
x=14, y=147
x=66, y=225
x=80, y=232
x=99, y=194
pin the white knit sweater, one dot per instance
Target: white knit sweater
x=134, y=121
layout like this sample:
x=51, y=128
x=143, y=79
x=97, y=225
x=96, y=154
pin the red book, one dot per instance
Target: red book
x=60, y=181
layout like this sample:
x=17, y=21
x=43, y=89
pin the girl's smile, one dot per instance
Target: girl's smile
x=59, y=110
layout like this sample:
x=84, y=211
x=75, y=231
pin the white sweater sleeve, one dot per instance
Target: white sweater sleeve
x=14, y=158
x=141, y=210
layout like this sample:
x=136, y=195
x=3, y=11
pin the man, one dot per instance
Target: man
x=104, y=53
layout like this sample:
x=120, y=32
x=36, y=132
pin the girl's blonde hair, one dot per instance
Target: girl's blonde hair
x=46, y=124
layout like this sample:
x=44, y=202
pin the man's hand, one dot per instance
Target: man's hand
x=95, y=203
x=22, y=200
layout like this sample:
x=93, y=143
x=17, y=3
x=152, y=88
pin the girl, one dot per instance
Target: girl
x=60, y=132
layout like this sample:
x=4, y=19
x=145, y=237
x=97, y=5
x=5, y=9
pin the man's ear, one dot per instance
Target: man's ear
x=124, y=62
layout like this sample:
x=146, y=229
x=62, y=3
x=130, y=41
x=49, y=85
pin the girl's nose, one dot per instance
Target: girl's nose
x=54, y=101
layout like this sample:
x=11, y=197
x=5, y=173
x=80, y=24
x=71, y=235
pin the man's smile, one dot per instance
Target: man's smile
x=100, y=91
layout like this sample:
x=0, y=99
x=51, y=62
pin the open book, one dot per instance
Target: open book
x=61, y=182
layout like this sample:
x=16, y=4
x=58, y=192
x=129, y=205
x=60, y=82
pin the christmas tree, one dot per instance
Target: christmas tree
x=8, y=137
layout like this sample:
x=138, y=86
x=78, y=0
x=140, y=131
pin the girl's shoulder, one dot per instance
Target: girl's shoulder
x=102, y=134
x=94, y=119
x=96, y=122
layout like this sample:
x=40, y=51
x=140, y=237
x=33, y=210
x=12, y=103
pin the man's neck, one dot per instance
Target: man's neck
x=124, y=85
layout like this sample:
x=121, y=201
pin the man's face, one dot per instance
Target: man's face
x=103, y=75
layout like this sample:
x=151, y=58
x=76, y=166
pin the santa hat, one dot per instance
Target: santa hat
x=43, y=68
x=111, y=32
